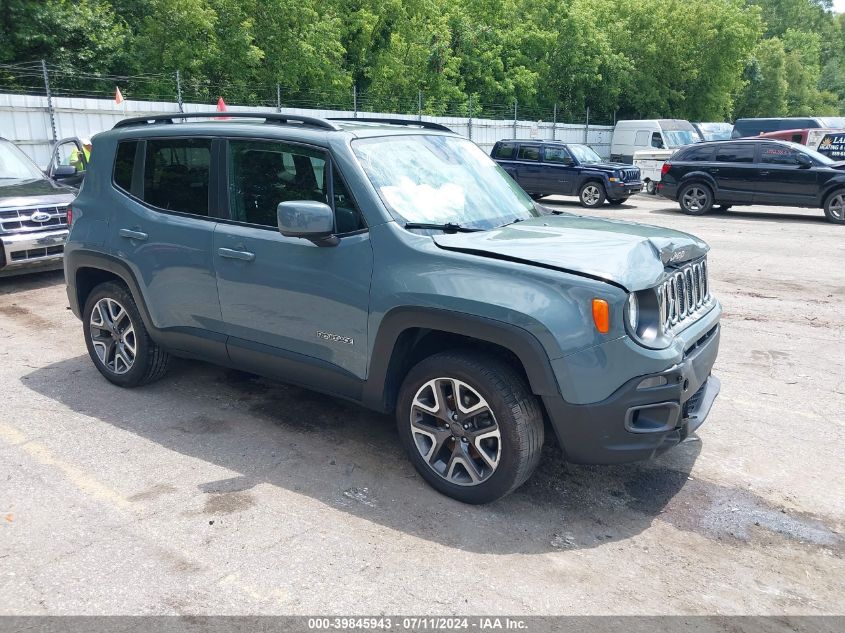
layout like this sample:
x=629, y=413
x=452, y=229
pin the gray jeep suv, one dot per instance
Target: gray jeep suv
x=395, y=265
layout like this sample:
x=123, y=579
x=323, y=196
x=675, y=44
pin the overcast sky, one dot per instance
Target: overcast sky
x=839, y=6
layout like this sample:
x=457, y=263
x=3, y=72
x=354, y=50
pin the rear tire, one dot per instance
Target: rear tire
x=834, y=207
x=117, y=341
x=695, y=199
x=651, y=187
x=470, y=424
x=592, y=194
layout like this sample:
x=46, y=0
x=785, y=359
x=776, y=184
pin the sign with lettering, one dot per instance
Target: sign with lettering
x=833, y=145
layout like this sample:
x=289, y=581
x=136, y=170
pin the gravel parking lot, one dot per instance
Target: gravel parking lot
x=216, y=492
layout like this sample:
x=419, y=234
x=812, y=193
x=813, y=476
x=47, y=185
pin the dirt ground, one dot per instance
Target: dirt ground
x=215, y=492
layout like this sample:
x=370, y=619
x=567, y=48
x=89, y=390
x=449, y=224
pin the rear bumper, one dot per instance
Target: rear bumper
x=635, y=422
x=40, y=249
x=668, y=191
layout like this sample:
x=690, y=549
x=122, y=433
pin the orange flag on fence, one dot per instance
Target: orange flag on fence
x=118, y=97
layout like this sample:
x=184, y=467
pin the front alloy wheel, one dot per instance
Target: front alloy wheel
x=834, y=208
x=592, y=195
x=455, y=431
x=113, y=335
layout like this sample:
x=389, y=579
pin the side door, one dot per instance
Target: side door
x=559, y=174
x=781, y=179
x=292, y=308
x=529, y=168
x=734, y=171
x=163, y=229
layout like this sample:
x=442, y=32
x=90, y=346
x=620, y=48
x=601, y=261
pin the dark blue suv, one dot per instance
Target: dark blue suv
x=546, y=168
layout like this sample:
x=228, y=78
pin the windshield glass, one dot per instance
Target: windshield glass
x=715, y=131
x=15, y=165
x=679, y=138
x=440, y=179
x=819, y=158
x=835, y=122
x=584, y=154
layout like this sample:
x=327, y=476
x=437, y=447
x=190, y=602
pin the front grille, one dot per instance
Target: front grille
x=35, y=253
x=632, y=173
x=683, y=293
x=21, y=220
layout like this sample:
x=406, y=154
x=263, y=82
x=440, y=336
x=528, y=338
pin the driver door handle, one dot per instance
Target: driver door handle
x=229, y=253
x=132, y=235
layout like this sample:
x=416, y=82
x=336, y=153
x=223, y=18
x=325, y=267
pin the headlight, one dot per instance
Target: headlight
x=632, y=312
x=619, y=175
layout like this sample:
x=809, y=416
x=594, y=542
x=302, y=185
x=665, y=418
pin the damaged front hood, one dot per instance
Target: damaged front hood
x=633, y=256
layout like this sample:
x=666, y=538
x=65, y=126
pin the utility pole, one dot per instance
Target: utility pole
x=419, y=105
x=515, y=111
x=355, y=100
x=587, y=126
x=554, y=123
x=278, y=98
x=50, y=110
x=179, y=92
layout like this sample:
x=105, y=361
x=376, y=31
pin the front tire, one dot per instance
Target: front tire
x=695, y=199
x=470, y=424
x=117, y=341
x=592, y=195
x=834, y=207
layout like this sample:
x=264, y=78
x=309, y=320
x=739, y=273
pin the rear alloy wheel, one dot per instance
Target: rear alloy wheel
x=834, y=207
x=695, y=199
x=471, y=426
x=592, y=195
x=650, y=187
x=117, y=341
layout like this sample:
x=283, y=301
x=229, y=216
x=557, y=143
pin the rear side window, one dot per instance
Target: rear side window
x=124, y=164
x=529, y=152
x=504, y=150
x=735, y=153
x=697, y=154
x=642, y=139
x=176, y=174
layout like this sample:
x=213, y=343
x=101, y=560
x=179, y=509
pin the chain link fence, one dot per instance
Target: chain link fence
x=31, y=91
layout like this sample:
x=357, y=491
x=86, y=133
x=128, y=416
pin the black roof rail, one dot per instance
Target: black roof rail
x=429, y=125
x=269, y=117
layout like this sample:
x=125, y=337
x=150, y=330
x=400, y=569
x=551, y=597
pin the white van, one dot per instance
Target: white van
x=650, y=134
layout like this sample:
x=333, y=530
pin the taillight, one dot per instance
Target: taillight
x=665, y=169
x=69, y=215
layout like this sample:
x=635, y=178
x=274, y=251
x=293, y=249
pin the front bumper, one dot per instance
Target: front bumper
x=624, y=189
x=39, y=249
x=636, y=423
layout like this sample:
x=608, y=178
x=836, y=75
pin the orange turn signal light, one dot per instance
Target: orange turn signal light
x=601, y=315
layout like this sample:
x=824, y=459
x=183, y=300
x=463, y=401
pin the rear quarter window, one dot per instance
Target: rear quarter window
x=124, y=164
x=697, y=154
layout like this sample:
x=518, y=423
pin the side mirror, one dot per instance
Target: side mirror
x=307, y=219
x=64, y=171
x=803, y=161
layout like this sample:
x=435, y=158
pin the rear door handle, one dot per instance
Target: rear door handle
x=233, y=254
x=763, y=173
x=132, y=235
x=714, y=170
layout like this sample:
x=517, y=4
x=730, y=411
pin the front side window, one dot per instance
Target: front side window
x=176, y=174
x=778, y=155
x=557, y=155
x=264, y=173
x=438, y=179
x=735, y=153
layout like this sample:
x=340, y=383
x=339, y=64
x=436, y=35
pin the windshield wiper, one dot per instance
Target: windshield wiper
x=448, y=227
x=511, y=222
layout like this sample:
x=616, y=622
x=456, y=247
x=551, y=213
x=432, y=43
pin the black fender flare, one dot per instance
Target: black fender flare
x=519, y=341
x=699, y=176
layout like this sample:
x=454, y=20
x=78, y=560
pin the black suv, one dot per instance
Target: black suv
x=545, y=168
x=770, y=172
